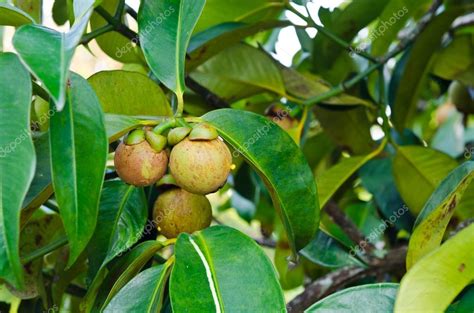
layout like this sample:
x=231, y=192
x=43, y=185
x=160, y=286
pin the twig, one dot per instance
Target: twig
x=330, y=283
x=210, y=97
x=44, y=250
x=131, y=12
x=348, y=226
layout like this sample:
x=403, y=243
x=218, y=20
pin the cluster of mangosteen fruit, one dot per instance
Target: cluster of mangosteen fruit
x=198, y=162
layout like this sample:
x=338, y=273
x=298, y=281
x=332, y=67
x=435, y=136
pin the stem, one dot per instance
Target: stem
x=160, y=128
x=117, y=24
x=341, y=42
x=120, y=9
x=96, y=33
x=131, y=12
x=40, y=92
x=180, y=104
x=44, y=250
x=383, y=106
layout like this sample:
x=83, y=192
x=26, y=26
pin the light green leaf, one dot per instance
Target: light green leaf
x=48, y=53
x=418, y=171
x=332, y=179
x=12, y=16
x=217, y=12
x=365, y=298
x=17, y=161
x=213, y=264
x=278, y=164
x=210, y=42
x=238, y=72
x=433, y=282
x=118, y=94
x=149, y=284
x=436, y=214
x=33, y=8
x=114, y=44
x=79, y=151
x=164, y=39
x=119, y=125
x=406, y=88
x=122, y=216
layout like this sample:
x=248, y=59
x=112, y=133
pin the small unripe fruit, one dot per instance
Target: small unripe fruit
x=460, y=97
x=140, y=165
x=177, y=211
x=202, y=166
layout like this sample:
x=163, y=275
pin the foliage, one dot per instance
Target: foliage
x=350, y=186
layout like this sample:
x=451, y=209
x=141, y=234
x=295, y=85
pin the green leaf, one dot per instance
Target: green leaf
x=48, y=53
x=60, y=12
x=12, y=16
x=33, y=8
x=365, y=298
x=407, y=87
x=122, y=216
x=296, y=200
x=455, y=62
x=119, y=125
x=40, y=189
x=307, y=86
x=118, y=94
x=114, y=44
x=332, y=179
x=79, y=151
x=149, y=284
x=433, y=282
x=326, y=251
x=164, y=39
x=418, y=171
x=213, y=264
x=217, y=12
x=211, y=41
x=17, y=161
x=436, y=214
x=238, y=72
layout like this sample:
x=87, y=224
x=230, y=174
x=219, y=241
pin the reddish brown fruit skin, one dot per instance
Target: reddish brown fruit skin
x=202, y=166
x=177, y=211
x=140, y=165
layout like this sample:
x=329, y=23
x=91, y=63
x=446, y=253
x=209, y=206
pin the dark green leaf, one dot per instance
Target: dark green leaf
x=17, y=161
x=365, y=298
x=79, y=151
x=33, y=8
x=122, y=216
x=48, y=53
x=12, y=16
x=213, y=264
x=278, y=164
x=164, y=39
x=437, y=212
x=60, y=12
x=149, y=284
x=118, y=94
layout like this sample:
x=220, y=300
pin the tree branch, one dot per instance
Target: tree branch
x=394, y=262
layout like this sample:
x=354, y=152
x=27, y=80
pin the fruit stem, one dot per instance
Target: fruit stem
x=160, y=128
x=180, y=106
x=169, y=242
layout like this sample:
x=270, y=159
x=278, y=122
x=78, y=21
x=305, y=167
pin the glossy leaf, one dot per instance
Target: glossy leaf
x=436, y=214
x=79, y=151
x=326, y=251
x=119, y=125
x=296, y=200
x=122, y=216
x=217, y=12
x=114, y=44
x=17, y=161
x=48, y=53
x=149, y=284
x=210, y=42
x=12, y=16
x=41, y=188
x=421, y=169
x=118, y=94
x=332, y=179
x=213, y=264
x=238, y=72
x=164, y=41
x=364, y=298
x=433, y=282
x=407, y=87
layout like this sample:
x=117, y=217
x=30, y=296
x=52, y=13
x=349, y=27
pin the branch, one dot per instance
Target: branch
x=208, y=96
x=330, y=283
x=348, y=226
